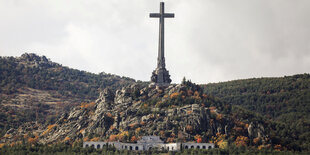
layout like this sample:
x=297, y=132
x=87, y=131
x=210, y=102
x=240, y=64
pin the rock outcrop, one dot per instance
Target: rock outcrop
x=178, y=111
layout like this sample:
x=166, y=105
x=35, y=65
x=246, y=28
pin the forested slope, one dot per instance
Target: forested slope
x=285, y=99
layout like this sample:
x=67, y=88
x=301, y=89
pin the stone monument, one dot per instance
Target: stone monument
x=160, y=75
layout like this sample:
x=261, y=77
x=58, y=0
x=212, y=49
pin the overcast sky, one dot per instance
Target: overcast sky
x=207, y=41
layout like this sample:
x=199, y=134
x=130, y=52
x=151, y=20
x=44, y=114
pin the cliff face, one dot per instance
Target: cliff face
x=176, y=113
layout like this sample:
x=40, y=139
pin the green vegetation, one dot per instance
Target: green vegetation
x=283, y=100
x=36, y=72
x=32, y=71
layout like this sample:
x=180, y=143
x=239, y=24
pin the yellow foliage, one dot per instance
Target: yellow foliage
x=223, y=144
x=138, y=130
x=218, y=139
x=241, y=141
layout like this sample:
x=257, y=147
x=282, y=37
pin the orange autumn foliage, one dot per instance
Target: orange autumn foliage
x=170, y=139
x=198, y=138
x=85, y=139
x=32, y=140
x=95, y=139
x=113, y=138
x=133, y=139
x=2, y=144
x=138, y=130
x=109, y=115
x=242, y=141
x=49, y=128
x=219, y=117
x=87, y=105
x=189, y=128
x=256, y=140
x=67, y=139
x=174, y=95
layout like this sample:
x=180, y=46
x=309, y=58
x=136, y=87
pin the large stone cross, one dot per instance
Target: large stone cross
x=160, y=75
x=161, y=46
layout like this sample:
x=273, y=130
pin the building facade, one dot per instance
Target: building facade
x=148, y=143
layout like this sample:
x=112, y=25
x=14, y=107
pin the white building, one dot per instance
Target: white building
x=149, y=142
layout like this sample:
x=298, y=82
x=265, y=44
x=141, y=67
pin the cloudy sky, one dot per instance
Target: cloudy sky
x=207, y=41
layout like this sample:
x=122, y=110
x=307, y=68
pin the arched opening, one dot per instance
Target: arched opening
x=209, y=147
x=168, y=148
x=192, y=147
x=130, y=148
x=162, y=148
x=137, y=148
x=98, y=146
x=125, y=147
x=198, y=147
x=122, y=146
x=86, y=145
x=171, y=148
x=186, y=147
x=204, y=147
x=150, y=148
x=93, y=145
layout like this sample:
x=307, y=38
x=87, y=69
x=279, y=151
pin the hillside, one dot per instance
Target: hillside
x=33, y=88
x=285, y=99
x=177, y=113
x=42, y=102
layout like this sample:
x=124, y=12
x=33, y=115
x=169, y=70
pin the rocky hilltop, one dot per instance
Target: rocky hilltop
x=177, y=113
x=33, y=88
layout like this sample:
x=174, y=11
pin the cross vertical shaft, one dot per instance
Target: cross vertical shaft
x=161, y=75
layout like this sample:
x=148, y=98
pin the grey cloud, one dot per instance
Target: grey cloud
x=207, y=41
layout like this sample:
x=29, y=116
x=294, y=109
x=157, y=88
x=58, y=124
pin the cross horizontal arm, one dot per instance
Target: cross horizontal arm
x=155, y=15
x=169, y=15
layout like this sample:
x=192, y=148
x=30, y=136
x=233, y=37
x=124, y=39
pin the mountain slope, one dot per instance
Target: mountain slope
x=286, y=100
x=177, y=113
x=33, y=88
